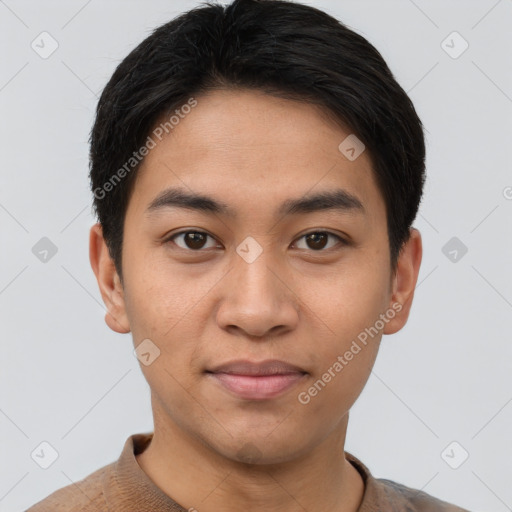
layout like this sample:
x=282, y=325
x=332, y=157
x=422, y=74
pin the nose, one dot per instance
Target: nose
x=258, y=298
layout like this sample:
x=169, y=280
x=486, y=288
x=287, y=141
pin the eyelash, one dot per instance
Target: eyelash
x=341, y=240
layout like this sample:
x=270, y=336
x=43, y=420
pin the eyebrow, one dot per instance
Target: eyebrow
x=337, y=199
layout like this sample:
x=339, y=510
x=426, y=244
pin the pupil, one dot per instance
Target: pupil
x=314, y=238
x=195, y=240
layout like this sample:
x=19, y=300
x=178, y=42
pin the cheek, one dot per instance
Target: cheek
x=331, y=394
x=160, y=300
x=169, y=309
x=350, y=306
x=345, y=356
x=352, y=301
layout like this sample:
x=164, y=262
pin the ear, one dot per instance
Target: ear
x=404, y=281
x=108, y=281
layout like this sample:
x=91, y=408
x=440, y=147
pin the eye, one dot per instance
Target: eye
x=194, y=240
x=191, y=240
x=317, y=240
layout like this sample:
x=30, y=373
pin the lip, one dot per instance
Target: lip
x=257, y=380
x=254, y=368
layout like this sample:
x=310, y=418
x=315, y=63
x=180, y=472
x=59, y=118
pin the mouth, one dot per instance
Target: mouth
x=257, y=380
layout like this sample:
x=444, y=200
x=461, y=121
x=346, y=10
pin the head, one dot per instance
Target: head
x=256, y=170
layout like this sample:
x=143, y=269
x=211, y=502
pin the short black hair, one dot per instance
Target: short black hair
x=278, y=47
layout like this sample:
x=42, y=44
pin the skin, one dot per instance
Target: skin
x=205, y=306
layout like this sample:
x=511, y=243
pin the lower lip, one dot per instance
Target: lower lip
x=262, y=387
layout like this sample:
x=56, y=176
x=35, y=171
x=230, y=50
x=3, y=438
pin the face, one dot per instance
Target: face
x=258, y=272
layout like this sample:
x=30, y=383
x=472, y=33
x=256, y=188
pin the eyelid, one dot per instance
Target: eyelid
x=170, y=238
x=341, y=240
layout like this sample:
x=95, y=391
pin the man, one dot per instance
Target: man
x=256, y=170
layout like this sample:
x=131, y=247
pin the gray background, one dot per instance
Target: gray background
x=66, y=379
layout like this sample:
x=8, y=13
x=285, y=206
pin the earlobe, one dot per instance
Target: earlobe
x=108, y=280
x=404, y=282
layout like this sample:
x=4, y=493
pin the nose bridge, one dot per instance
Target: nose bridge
x=255, y=299
x=252, y=273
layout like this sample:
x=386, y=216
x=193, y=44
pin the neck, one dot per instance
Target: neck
x=199, y=478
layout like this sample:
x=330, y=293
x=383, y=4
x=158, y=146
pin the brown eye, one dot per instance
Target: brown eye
x=318, y=240
x=192, y=240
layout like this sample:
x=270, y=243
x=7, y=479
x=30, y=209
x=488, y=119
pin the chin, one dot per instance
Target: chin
x=263, y=450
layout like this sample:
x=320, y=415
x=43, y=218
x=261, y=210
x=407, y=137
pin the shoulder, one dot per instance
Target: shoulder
x=386, y=495
x=413, y=500
x=86, y=495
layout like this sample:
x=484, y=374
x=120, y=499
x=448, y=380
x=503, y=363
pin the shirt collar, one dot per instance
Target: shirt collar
x=128, y=487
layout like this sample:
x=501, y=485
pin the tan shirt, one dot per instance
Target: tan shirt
x=122, y=486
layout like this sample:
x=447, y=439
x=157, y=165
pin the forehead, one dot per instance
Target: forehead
x=251, y=150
